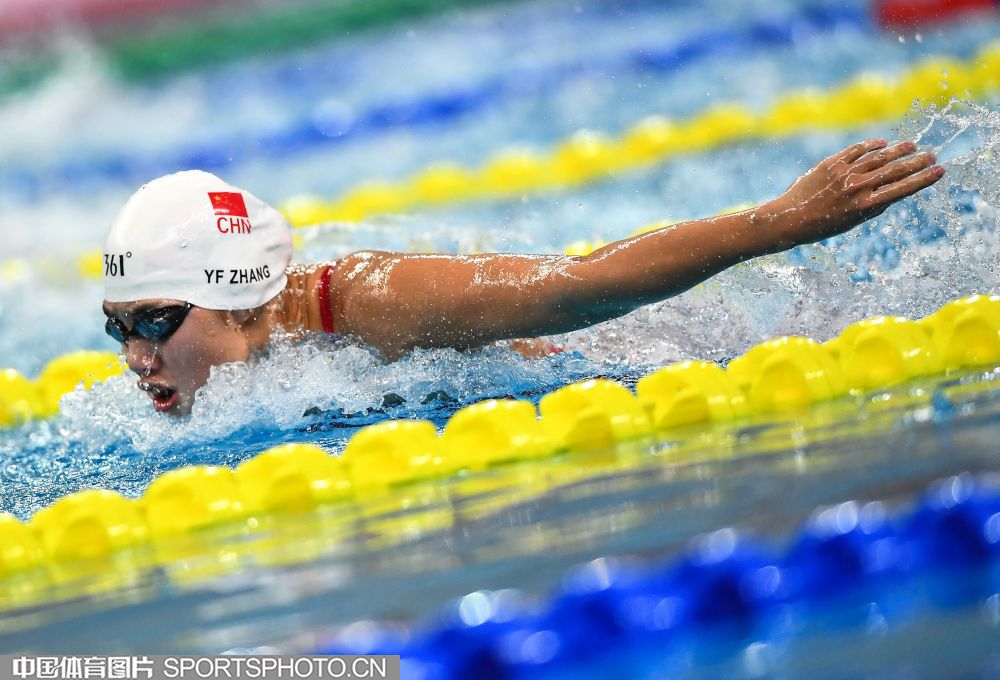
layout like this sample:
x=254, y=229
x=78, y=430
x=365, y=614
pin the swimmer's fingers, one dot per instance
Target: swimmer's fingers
x=876, y=160
x=891, y=193
x=895, y=171
x=856, y=151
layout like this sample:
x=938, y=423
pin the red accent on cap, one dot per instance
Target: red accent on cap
x=228, y=203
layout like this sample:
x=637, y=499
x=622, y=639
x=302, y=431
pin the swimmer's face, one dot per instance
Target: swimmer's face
x=172, y=370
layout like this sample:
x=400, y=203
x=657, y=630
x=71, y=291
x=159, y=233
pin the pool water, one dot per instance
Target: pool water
x=529, y=74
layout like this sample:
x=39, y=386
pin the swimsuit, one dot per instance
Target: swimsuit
x=325, y=313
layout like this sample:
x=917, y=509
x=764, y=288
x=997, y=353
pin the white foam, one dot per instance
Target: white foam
x=274, y=390
x=777, y=295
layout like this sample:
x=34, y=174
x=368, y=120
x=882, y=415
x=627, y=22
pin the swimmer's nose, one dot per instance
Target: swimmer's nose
x=140, y=357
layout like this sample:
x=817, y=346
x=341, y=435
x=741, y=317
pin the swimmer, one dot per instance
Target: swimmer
x=197, y=272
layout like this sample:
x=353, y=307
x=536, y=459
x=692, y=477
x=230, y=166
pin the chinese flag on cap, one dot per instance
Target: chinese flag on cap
x=228, y=203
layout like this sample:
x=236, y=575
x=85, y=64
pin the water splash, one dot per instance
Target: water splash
x=920, y=254
x=313, y=390
x=315, y=376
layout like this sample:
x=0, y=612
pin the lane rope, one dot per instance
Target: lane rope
x=589, y=156
x=323, y=128
x=781, y=378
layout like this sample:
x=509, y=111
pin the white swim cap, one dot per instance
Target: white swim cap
x=192, y=237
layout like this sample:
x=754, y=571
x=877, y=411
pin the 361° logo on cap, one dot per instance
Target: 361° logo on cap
x=231, y=210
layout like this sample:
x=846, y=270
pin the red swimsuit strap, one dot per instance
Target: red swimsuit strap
x=325, y=313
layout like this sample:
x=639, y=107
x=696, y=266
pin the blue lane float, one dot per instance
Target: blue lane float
x=435, y=108
x=724, y=581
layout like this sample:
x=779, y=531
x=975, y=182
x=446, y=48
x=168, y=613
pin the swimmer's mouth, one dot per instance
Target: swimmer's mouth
x=163, y=398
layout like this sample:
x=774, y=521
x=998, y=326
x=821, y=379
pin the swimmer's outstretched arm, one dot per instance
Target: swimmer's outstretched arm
x=399, y=301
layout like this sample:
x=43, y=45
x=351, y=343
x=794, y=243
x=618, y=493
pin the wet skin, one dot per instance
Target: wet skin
x=395, y=302
x=171, y=370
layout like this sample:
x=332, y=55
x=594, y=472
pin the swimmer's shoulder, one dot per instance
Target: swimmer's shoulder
x=298, y=305
x=315, y=295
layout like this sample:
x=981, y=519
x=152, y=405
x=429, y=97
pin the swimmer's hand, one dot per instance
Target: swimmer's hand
x=846, y=189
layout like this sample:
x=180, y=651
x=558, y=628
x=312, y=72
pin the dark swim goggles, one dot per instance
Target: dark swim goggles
x=153, y=324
